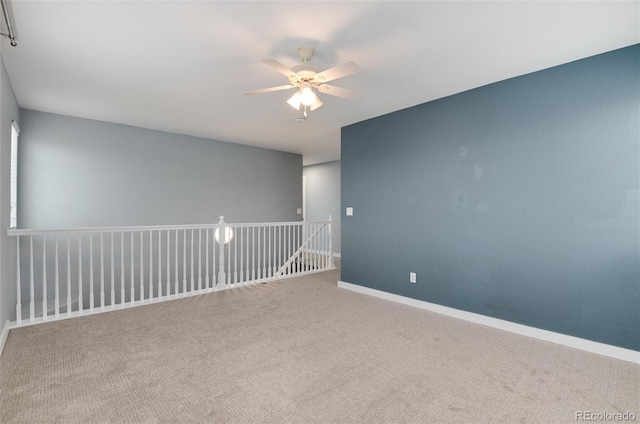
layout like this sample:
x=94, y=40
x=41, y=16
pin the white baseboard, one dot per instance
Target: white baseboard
x=550, y=336
x=3, y=336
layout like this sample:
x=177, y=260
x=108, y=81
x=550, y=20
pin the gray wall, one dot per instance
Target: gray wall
x=8, y=112
x=77, y=172
x=323, y=196
x=518, y=200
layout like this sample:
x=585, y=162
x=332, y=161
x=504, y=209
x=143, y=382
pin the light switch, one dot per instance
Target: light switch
x=349, y=211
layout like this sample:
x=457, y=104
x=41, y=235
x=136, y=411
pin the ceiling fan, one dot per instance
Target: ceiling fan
x=307, y=79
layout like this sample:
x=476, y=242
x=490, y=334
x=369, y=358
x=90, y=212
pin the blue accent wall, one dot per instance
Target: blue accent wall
x=518, y=200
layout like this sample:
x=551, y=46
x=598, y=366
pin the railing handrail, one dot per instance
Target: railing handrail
x=67, y=272
x=86, y=230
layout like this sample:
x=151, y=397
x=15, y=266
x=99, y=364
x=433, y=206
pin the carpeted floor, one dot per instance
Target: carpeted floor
x=303, y=351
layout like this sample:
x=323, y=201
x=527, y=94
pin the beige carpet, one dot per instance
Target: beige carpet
x=299, y=350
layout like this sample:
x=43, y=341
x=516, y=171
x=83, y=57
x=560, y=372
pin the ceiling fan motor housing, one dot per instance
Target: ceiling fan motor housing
x=304, y=73
x=305, y=53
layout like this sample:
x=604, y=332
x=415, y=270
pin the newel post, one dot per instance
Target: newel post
x=330, y=226
x=221, y=238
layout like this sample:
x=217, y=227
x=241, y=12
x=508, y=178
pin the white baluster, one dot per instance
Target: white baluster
x=269, y=242
x=309, y=244
x=192, y=279
x=303, y=264
x=229, y=275
x=150, y=265
x=317, y=247
x=184, y=262
x=324, y=241
x=56, y=301
x=323, y=246
x=101, y=271
x=91, y=294
x=199, y=259
x=235, y=259
x=113, y=277
x=160, y=263
x=168, y=263
x=175, y=289
x=260, y=253
x=244, y=273
x=122, y=283
x=294, y=241
x=213, y=260
x=253, y=253
x=310, y=227
x=80, y=297
x=18, y=283
x=280, y=247
x=44, y=277
x=32, y=306
x=256, y=252
x=287, y=251
x=239, y=240
x=206, y=260
x=275, y=251
x=287, y=248
x=298, y=245
x=264, y=251
x=274, y=243
x=294, y=246
x=141, y=267
x=69, y=274
x=222, y=233
x=132, y=295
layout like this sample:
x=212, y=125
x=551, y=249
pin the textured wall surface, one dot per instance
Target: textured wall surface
x=77, y=172
x=518, y=200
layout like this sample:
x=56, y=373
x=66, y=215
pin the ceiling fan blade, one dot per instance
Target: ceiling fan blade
x=281, y=68
x=336, y=72
x=315, y=105
x=338, y=91
x=269, y=90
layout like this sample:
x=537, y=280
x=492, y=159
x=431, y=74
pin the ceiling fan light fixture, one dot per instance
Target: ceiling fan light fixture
x=295, y=101
x=307, y=96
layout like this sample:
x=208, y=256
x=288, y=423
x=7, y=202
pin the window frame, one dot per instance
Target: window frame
x=13, y=176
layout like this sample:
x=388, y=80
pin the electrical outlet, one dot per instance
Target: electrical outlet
x=349, y=211
x=412, y=277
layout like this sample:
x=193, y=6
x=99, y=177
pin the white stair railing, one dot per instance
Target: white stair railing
x=62, y=273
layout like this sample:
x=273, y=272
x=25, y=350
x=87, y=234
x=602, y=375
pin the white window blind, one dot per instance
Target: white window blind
x=13, y=220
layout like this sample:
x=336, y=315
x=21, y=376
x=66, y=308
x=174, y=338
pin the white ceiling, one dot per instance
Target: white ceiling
x=182, y=66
